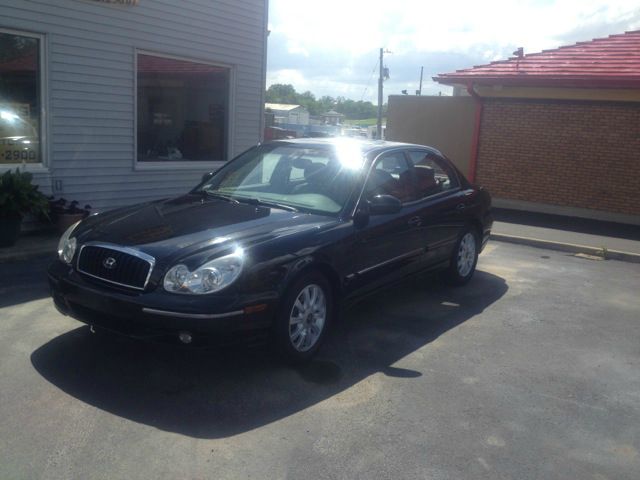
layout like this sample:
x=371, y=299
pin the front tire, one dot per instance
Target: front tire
x=464, y=258
x=303, y=318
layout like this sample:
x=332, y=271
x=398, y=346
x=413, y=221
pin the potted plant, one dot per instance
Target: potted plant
x=18, y=196
x=64, y=213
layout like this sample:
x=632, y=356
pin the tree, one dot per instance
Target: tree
x=281, y=93
x=351, y=109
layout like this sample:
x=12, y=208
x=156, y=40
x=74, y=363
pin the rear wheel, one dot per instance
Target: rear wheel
x=303, y=317
x=464, y=258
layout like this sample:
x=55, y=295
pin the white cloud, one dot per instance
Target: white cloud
x=477, y=32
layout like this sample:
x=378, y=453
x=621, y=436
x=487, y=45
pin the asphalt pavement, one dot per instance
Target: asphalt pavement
x=530, y=371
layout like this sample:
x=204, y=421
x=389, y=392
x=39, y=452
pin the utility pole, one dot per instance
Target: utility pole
x=380, y=86
x=421, y=72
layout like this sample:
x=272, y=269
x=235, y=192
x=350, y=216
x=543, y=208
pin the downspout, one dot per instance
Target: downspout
x=475, y=142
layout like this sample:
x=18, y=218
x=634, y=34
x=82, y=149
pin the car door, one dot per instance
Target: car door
x=389, y=246
x=441, y=203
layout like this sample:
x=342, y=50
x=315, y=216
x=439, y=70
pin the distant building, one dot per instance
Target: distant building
x=288, y=114
x=332, y=118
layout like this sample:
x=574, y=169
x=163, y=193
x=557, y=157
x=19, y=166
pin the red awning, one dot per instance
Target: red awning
x=153, y=64
x=24, y=63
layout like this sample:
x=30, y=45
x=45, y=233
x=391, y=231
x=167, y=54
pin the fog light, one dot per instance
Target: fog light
x=185, y=337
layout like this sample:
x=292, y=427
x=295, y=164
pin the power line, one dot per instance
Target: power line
x=373, y=72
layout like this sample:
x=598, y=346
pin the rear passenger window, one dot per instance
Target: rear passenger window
x=432, y=174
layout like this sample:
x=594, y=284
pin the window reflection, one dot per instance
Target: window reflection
x=19, y=99
x=182, y=110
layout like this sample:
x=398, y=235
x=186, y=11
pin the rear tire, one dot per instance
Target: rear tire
x=464, y=258
x=303, y=318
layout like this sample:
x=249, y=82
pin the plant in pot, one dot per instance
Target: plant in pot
x=64, y=213
x=18, y=196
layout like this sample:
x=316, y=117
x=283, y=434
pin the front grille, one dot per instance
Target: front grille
x=117, y=265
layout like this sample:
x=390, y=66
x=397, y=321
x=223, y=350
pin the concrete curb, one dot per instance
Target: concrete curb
x=567, y=247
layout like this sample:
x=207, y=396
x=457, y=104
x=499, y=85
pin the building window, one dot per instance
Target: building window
x=182, y=110
x=20, y=98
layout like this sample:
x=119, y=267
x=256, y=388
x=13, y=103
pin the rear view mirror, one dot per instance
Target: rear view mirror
x=206, y=176
x=384, y=205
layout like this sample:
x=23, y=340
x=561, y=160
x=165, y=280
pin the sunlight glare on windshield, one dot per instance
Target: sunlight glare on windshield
x=349, y=153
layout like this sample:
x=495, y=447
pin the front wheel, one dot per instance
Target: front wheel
x=303, y=318
x=464, y=258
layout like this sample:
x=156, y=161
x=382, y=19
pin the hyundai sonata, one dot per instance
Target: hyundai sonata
x=275, y=240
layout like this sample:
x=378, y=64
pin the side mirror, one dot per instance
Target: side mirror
x=384, y=205
x=206, y=176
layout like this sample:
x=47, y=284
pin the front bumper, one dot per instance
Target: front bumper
x=156, y=313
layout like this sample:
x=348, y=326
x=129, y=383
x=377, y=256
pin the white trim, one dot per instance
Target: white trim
x=197, y=165
x=193, y=165
x=231, y=107
x=43, y=139
x=263, y=95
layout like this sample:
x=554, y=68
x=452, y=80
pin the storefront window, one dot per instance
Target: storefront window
x=182, y=110
x=20, y=122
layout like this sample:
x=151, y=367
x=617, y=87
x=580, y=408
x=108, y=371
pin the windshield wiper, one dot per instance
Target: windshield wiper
x=221, y=196
x=267, y=203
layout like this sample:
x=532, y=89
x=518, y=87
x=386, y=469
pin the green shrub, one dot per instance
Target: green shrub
x=18, y=196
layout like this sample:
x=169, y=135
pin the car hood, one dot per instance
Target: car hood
x=191, y=224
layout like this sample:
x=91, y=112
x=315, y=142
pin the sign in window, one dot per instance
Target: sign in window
x=182, y=110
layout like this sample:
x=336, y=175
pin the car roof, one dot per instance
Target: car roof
x=367, y=146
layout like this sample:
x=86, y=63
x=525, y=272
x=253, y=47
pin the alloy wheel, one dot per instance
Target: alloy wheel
x=466, y=254
x=307, y=318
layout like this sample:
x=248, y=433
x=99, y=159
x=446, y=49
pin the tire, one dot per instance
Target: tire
x=464, y=258
x=300, y=326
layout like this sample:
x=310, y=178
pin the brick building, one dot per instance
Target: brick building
x=559, y=131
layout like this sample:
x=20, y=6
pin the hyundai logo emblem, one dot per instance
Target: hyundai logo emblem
x=109, y=263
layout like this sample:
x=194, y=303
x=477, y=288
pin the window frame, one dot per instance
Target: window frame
x=360, y=196
x=192, y=165
x=380, y=158
x=43, y=165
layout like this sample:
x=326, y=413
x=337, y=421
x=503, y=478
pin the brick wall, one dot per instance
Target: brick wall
x=573, y=154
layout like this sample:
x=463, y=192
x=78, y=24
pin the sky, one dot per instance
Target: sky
x=330, y=47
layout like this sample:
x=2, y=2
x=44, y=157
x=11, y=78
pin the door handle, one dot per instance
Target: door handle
x=414, y=222
x=460, y=207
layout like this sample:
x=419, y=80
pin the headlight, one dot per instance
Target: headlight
x=67, y=245
x=210, y=277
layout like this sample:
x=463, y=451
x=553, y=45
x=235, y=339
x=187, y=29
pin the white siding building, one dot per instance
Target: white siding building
x=288, y=114
x=112, y=102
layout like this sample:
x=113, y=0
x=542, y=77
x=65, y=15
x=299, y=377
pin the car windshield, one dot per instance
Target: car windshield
x=314, y=179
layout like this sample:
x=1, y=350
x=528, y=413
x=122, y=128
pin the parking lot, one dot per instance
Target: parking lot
x=531, y=371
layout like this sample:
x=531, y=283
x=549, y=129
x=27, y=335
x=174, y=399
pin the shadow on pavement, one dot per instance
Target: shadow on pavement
x=17, y=283
x=569, y=224
x=213, y=394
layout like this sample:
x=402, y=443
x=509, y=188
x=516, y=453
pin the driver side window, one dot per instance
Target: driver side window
x=390, y=176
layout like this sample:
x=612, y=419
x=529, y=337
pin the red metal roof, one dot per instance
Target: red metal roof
x=611, y=62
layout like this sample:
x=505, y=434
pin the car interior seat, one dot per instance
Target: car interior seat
x=426, y=180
